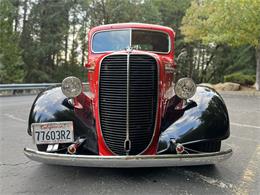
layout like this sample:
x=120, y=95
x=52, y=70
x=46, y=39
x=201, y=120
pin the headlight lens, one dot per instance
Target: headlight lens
x=185, y=88
x=71, y=87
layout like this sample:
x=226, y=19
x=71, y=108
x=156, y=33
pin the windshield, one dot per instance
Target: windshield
x=116, y=40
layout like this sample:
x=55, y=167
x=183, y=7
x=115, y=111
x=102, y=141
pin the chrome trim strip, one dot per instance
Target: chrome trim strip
x=167, y=160
x=91, y=69
x=131, y=34
x=127, y=98
x=169, y=69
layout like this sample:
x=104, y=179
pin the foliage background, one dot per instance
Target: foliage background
x=46, y=40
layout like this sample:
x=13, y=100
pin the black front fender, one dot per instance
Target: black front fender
x=205, y=119
x=52, y=106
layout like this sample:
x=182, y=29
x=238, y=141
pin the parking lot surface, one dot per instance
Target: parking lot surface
x=238, y=175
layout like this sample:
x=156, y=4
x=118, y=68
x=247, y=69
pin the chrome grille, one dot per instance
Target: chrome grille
x=143, y=87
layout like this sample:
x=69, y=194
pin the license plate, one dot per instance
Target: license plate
x=53, y=132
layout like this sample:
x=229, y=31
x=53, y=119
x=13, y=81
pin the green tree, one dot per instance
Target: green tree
x=11, y=64
x=171, y=13
x=44, y=38
x=225, y=21
x=121, y=11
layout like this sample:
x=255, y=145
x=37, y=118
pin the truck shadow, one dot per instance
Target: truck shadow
x=184, y=180
x=147, y=174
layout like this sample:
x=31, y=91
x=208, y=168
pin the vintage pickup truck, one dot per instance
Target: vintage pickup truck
x=134, y=114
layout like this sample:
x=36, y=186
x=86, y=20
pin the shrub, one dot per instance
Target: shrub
x=37, y=76
x=238, y=77
x=70, y=70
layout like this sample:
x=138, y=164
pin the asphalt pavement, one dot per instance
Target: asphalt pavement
x=238, y=175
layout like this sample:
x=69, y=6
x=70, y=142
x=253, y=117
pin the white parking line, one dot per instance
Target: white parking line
x=14, y=117
x=250, y=174
x=245, y=125
x=245, y=138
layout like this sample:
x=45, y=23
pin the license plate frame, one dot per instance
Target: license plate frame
x=53, y=132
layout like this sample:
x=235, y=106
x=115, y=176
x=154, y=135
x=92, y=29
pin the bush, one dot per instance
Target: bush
x=63, y=71
x=239, y=77
x=37, y=76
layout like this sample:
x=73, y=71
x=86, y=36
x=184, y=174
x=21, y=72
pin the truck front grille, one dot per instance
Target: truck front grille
x=142, y=102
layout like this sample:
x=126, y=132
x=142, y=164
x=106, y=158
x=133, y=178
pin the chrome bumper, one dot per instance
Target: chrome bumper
x=128, y=161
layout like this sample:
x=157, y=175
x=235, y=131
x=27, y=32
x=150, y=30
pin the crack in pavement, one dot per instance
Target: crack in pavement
x=212, y=181
x=15, y=164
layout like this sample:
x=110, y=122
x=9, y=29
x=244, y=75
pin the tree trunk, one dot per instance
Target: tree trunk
x=83, y=47
x=258, y=68
x=16, y=16
x=25, y=7
x=66, y=48
x=190, y=61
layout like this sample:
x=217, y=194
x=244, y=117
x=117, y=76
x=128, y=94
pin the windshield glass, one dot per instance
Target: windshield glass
x=111, y=40
x=116, y=40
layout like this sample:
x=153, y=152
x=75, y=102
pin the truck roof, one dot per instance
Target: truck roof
x=133, y=25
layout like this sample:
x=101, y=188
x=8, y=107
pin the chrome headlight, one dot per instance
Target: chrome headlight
x=71, y=87
x=185, y=88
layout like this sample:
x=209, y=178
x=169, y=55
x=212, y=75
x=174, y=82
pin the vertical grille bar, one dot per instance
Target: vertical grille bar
x=127, y=146
x=140, y=95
